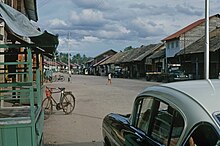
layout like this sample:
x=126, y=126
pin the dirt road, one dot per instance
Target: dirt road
x=94, y=99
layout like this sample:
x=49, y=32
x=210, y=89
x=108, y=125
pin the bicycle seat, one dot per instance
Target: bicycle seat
x=62, y=89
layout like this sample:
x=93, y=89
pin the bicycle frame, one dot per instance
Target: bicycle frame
x=62, y=92
x=66, y=101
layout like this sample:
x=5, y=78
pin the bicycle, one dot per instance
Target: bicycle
x=66, y=103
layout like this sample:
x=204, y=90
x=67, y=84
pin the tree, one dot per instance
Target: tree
x=128, y=48
x=63, y=57
x=79, y=59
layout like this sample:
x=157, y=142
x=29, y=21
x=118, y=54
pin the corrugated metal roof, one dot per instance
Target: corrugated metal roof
x=160, y=53
x=133, y=54
x=98, y=63
x=106, y=52
x=187, y=28
x=199, y=45
x=136, y=54
x=148, y=52
x=114, y=59
x=16, y=21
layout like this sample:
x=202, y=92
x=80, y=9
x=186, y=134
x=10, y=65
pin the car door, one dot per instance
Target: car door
x=166, y=124
x=137, y=135
x=155, y=123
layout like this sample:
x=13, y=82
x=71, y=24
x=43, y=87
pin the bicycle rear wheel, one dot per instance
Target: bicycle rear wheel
x=47, y=107
x=68, y=103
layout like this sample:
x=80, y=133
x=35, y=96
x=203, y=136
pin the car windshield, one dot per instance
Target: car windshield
x=177, y=72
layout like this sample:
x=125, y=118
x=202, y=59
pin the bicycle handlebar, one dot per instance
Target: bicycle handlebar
x=59, y=89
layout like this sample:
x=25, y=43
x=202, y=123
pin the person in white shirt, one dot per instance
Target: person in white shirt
x=109, y=79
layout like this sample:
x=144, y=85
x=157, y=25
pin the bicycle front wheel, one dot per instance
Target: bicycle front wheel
x=68, y=103
x=47, y=107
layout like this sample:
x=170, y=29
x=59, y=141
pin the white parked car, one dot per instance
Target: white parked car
x=173, y=114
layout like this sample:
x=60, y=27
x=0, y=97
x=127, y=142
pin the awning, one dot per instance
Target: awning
x=19, y=24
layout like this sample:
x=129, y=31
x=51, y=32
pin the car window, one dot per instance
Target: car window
x=144, y=113
x=203, y=135
x=167, y=124
x=217, y=117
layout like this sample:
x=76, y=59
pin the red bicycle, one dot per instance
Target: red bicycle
x=66, y=103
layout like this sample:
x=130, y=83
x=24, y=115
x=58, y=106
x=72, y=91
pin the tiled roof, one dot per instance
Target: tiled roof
x=50, y=63
x=187, y=28
x=74, y=65
x=61, y=63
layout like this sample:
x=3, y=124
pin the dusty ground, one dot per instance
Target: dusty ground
x=94, y=99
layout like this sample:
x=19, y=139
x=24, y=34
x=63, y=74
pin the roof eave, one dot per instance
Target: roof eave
x=31, y=9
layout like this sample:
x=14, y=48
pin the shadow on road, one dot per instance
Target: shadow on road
x=95, y=117
x=78, y=144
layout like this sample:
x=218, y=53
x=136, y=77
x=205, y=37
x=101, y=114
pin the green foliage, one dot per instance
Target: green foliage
x=78, y=59
x=63, y=57
x=128, y=48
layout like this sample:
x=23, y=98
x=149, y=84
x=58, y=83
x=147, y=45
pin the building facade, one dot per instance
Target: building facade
x=186, y=36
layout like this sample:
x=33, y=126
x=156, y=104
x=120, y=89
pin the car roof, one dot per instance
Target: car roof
x=197, y=100
x=204, y=92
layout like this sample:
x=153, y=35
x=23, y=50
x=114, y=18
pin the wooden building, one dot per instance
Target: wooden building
x=192, y=57
x=131, y=63
x=94, y=68
x=186, y=36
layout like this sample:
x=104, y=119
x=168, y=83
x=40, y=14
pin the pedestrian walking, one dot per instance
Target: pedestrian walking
x=109, y=79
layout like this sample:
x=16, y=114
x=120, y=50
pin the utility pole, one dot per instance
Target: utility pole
x=206, y=71
x=55, y=62
x=69, y=57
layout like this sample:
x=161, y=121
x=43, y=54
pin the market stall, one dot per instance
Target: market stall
x=21, y=57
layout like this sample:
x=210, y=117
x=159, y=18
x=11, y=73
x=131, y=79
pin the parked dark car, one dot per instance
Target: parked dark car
x=178, y=75
x=180, y=113
x=171, y=76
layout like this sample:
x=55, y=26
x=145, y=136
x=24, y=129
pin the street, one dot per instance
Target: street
x=94, y=99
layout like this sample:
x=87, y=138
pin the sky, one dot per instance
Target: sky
x=92, y=27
